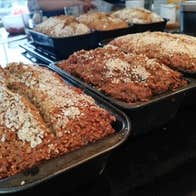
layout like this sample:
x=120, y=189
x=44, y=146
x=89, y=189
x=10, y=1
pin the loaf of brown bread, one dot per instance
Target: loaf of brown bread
x=41, y=117
x=102, y=21
x=137, y=16
x=127, y=77
x=62, y=26
x=24, y=137
x=174, y=50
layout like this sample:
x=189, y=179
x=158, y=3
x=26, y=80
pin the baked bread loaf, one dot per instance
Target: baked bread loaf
x=42, y=117
x=62, y=26
x=174, y=50
x=101, y=21
x=22, y=133
x=130, y=78
x=137, y=16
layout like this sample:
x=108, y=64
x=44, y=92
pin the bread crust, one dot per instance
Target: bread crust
x=42, y=118
x=62, y=26
x=176, y=51
x=127, y=77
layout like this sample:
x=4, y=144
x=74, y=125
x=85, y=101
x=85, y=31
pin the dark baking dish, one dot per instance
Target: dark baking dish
x=185, y=72
x=191, y=74
x=102, y=35
x=156, y=26
x=144, y=115
x=133, y=28
x=63, y=47
x=89, y=160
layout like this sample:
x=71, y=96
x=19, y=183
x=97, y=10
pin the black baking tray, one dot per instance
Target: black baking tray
x=102, y=35
x=191, y=74
x=63, y=47
x=133, y=28
x=88, y=161
x=156, y=26
x=144, y=115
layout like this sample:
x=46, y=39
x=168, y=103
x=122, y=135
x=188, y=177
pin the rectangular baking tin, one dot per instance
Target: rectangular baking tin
x=144, y=115
x=102, y=35
x=133, y=28
x=64, y=164
x=63, y=47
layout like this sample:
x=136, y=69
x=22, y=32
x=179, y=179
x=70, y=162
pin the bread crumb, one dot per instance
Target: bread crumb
x=3, y=138
x=22, y=183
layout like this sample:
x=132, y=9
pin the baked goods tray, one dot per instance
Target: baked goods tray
x=89, y=160
x=133, y=28
x=102, y=35
x=191, y=74
x=63, y=47
x=144, y=115
x=156, y=26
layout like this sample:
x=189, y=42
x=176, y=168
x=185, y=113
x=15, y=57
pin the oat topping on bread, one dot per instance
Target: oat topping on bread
x=42, y=117
x=102, y=21
x=137, y=16
x=126, y=77
x=62, y=26
x=174, y=50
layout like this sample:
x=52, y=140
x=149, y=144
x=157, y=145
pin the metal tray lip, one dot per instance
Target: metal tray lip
x=187, y=72
x=129, y=27
x=165, y=20
x=32, y=31
x=121, y=104
x=101, y=146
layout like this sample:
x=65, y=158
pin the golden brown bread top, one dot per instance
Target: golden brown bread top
x=58, y=102
x=18, y=115
x=41, y=117
x=178, y=51
x=137, y=16
x=127, y=77
x=101, y=21
x=62, y=26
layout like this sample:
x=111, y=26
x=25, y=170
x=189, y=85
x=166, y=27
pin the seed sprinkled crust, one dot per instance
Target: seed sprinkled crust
x=62, y=26
x=127, y=77
x=101, y=21
x=176, y=51
x=42, y=117
x=137, y=16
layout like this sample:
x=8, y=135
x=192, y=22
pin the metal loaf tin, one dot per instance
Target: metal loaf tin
x=133, y=28
x=191, y=74
x=63, y=47
x=102, y=35
x=88, y=161
x=190, y=98
x=156, y=26
x=144, y=115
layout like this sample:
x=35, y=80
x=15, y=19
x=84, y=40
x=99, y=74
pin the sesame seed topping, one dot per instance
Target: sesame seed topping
x=17, y=118
x=120, y=70
x=22, y=183
x=3, y=138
